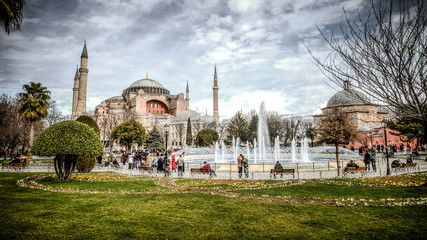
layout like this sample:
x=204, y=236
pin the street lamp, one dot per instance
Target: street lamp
x=166, y=130
x=386, y=147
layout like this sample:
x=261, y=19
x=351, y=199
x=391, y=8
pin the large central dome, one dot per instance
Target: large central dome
x=148, y=85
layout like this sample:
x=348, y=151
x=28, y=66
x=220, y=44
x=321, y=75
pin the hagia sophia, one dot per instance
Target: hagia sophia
x=146, y=101
x=151, y=104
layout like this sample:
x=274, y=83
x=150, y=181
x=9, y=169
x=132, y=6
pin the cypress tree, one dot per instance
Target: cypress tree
x=189, y=137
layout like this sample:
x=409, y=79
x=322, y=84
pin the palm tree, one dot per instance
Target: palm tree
x=11, y=14
x=34, y=105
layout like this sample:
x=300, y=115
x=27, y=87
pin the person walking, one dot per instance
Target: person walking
x=240, y=165
x=180, y=163
x=174, y=167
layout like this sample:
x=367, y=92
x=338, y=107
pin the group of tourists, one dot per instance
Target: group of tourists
x=157, y=160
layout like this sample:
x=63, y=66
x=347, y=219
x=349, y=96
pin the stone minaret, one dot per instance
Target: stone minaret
x=187, y=98
x=75, y=94
x=215, y=97
x=81, y=104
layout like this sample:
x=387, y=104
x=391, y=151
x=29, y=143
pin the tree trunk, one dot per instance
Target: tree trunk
x=337, y=150
x=31, y=142
x=64, y=166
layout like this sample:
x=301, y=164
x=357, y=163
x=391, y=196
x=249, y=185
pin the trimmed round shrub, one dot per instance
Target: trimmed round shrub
x=85, y=164
x=90, y=122
x=68, y=141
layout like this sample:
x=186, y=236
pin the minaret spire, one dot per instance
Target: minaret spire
x=81, y=104
x=187, y=98
x=75, y=94
x=215, y=96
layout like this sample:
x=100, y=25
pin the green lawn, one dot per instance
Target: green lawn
x=36, y=214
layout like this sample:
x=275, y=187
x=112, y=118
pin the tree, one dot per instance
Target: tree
x=407, y=129
x=154, y=140
x=11, y=14
x=253, y=128
x=90, y=122
x=311, y=133
x=335, y=128
x=189, y=136
x=54, y=115
x=34, y=105
x=67, y=141
x=107, y=124
x=129, y=133
x=13, y=127
x=291, y=127
x=238, y=127
x=384, y=54
x=275, y=125
x=206, y=137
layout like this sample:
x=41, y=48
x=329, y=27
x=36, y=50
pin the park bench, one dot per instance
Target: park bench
x=198, y=170
x=356, y=169
x=12, y=165
x=274, y=172
x=146, y=169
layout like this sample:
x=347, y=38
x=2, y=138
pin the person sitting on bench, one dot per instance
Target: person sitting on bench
x=396, y=164
x=208, y=166
x=278, y=165
x=351, y=164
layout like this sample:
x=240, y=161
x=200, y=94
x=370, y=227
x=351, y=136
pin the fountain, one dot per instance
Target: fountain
x=262, y=152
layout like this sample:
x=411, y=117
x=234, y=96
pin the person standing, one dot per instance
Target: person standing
x=174, y=167
x=180, y=163
x=373, y=161
x=240, y=165
x=245, y=164
x=367, y=160
x=130, y=161
x=183, y=166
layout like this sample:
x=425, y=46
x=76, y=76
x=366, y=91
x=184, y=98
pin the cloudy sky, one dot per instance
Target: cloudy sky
x=258, y=47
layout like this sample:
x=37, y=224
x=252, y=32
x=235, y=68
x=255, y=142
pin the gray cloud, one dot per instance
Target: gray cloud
x=257, y=46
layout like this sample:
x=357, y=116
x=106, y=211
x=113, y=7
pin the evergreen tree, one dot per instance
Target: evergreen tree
x=253, y=128
x=336, y=128
x=238, y=127
x=189, y=137
x=154, y=140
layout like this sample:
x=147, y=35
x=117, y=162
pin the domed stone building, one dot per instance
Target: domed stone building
x=366, y=116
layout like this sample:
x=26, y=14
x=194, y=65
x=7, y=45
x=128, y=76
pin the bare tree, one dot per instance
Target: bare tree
x=180, y=130
x=384, y=55
x=291, y=127
x=275, y=125
x=107, y=123
x=14, y=129
x=54, y=115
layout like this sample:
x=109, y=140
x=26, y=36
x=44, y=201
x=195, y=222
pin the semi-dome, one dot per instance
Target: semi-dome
x=183, y=116
x=348, y=97
x=148, y=85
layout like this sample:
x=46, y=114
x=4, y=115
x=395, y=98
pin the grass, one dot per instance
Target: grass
x=36, y=214
x=331, y=192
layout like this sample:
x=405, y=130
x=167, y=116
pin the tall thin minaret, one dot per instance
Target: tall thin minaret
x=187, y=98
x=75, y=94
x=215, y=96
x=81, y=105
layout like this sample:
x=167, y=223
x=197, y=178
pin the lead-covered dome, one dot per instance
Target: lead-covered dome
x=348, y=97
x=183, y=116
x=148, y=85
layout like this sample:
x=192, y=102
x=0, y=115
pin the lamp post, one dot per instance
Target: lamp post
x=386, y=147
x=166, y=130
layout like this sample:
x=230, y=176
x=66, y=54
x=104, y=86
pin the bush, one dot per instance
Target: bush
x=68, y=141
x=206, y=137
x=85, y=164
x=90, y=122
